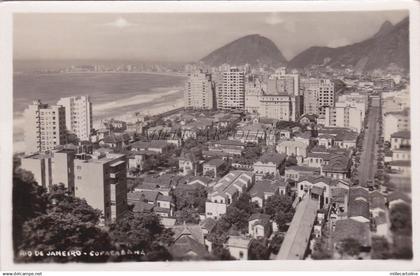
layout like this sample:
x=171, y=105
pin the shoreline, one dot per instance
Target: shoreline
x=171, y=74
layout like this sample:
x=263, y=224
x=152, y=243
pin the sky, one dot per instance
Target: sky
x=184, y=37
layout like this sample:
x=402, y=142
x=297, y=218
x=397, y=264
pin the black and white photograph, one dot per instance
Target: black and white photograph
x=211, y=136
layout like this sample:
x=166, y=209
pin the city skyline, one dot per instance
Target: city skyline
x=104, y=36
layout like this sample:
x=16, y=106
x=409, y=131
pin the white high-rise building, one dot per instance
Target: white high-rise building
x=345, y=114
x=45, y=127
x=100, y=179
x=199, y=91
x=78, y=115
x=231, y=89
x=326, y=95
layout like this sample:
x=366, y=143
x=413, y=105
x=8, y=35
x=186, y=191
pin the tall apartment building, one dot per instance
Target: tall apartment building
x=326, y=95
x=45, y=127
x=282, y=83
x=231, y=89
x=317, y=95
x=253, y=90
x=310, y=88
x=51, y=168
x=199, y=91
x=78, y=116
x=100, y=178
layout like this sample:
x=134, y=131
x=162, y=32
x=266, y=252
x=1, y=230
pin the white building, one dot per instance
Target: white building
x=78, y=116
x=231, y=89
x=100, y=179
x=45, y=127
x=395, y=122
x=199, y=91
x=345, y=114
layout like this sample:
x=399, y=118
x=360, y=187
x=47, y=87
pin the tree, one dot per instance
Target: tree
x=400, y=217
x=280, y=208
x=187, y=215
x=380, y=248
x=282, y=218
x=63, y=202
x=275, y=243
x=258, y=250
x=142, y=232
x=29, y=201
x=291, y=161
x=349, y=246
x=195, y=199
x=221, y=253
x=59, y=231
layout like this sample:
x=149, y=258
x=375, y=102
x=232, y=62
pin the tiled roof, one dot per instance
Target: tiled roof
x=164, y=198
x=208, y=224
x=259, y=216
x=377, y=200
x=359, y=208
x=149, y=196
x=215, y=162
x=400, y=163
x=276, y=158
x=264, y=186
x=398, y=195
x=187, y=247
x=192, y=230
x=302, y=168
x=142, y=207
x=401, y=134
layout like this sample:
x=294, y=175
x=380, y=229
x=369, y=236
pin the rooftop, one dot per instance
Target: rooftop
x=401, y=134
x=349, y=228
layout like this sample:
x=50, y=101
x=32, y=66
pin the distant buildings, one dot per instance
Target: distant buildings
x=78, y=111
x=199, y=91
x=100, y=179
x=45, y=127
x=317, y=95
x=394, y=122
x=231, y=89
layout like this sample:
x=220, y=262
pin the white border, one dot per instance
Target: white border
x=6, y=77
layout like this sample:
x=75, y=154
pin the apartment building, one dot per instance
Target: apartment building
x=199, y=91
x=100, y=179
x=78, y=111
x=231, y=89
x=45, y=127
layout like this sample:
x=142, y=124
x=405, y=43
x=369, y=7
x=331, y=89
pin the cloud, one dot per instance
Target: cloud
x=338, y=42
x=274, y=19
x=120, y=22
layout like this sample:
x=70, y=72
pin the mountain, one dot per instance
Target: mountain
x=388, y=47
x=253, y=49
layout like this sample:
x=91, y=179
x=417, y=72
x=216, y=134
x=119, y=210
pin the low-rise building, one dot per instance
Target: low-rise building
x=259, y=226
x=238, y=247
x=214, y=167
x=226, y=190
x=263, y=189
x=271, y=164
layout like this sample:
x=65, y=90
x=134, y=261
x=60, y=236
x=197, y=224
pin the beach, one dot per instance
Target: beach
x=117, y=95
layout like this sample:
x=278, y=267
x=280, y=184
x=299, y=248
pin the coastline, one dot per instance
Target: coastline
x=121, y=109
x=172, y=74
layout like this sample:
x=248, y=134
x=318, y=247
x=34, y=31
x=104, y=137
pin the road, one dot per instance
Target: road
x=367, y=166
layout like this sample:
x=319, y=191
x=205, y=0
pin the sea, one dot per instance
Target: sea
x=113, y=95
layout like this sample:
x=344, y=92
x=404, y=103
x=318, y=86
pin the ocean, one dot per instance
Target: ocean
x=112, y=94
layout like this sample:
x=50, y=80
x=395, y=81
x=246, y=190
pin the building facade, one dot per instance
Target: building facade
x=199, y=91
x=231, y=89
x=100, y=179
x=78, y=111
x=45, y=127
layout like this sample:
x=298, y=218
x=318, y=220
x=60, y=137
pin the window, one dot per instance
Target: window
x=301, y=187
x=241, y=254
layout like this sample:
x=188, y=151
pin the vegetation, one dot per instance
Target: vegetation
x=350, y=247
x=258, y=250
